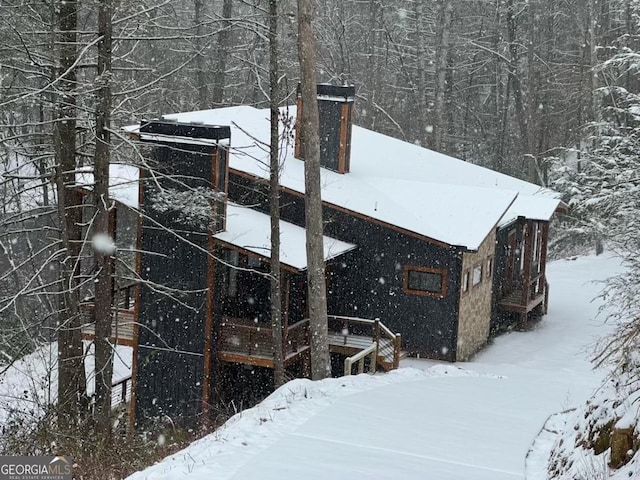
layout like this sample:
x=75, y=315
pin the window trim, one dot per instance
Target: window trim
x=466, y=277
x=490, y=267
x=405, y=283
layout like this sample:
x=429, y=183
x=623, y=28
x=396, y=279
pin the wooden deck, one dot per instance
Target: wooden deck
x=121, y=328
x=357, y=343
x=350, y=336
x=514, y=302
x=242, y=341
x=526, y=298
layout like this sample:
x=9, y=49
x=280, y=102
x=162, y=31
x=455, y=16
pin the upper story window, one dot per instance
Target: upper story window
x=477, y=275
x=425, y=281
x=465, y=281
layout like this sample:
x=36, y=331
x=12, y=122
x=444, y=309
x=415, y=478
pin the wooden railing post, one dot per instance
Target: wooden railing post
x=123, y=397
x=127, y=298
x=376, y=335
x=397, y=344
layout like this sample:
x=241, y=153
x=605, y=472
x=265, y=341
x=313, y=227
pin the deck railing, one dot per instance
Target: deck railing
x=359, y=359
x=296, y=337
x=121, y=392
x=243, y=337
x=242, y=340
x=122, y=316
x=388, y=343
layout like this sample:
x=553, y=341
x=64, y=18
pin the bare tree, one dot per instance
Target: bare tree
x=274, y=198
x=222, y=54
x=102, y=242
x=71, y=376
x=320, y=366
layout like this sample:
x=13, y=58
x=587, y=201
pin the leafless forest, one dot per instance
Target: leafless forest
x=545, y=90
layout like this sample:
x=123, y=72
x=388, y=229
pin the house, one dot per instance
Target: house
x=417, y=244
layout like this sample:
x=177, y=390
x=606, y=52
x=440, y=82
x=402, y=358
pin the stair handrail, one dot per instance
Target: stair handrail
x=360, y=357
x=380, y=331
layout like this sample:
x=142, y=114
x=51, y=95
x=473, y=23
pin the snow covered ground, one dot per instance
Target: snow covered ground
x=31, y=383
x=471, y=421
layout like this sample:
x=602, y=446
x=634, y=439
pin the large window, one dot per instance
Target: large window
x=425, y=281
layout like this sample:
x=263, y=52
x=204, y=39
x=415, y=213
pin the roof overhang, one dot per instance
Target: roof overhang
x=250, y=231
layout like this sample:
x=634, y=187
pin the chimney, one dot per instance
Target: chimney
x=335, y=111
x=191, y=155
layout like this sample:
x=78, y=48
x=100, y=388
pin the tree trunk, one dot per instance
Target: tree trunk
x=71, y=375
x=224, y=43
x=421, y=87
x=442, y=61
x=514, y=77
x=274, y=199
x=201, y=74
x=103, y=256
x=320, y=366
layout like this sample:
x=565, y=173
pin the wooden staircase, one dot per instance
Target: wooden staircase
x=368, y=343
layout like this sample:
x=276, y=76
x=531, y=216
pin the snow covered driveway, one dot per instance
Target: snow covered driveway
x=437, y=422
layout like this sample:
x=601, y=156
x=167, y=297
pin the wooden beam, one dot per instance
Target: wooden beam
x=136, y=307
x=210, y=296
x=245, y=359
x=285, y=311
x=528, y=259
x=249, y=253
x=342, y=150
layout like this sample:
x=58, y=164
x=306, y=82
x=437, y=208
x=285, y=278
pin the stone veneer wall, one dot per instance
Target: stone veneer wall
x=474, y=315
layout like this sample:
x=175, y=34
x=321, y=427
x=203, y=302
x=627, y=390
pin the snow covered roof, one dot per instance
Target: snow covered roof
x=123, y=183
x=251, y=230
x=392, y=181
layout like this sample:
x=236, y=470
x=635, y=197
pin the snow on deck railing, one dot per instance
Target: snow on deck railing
x=389, y=344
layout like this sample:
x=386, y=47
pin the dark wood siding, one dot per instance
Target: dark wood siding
x=500, y=320
x=368, y=281
x=170, y=366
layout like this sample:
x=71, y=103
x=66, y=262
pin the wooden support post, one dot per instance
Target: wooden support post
x=528, y=260
x=543, y=265
x=397, y=345
x=123, y=395
x=136, y=309
x=127, y=298
x=376, y=338
x=376, y=331
x=373, y=366
x=285, y=314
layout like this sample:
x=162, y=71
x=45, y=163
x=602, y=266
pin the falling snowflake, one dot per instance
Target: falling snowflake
x=103, y=243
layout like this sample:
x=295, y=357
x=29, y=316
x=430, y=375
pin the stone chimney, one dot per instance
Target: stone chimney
x=335, y=111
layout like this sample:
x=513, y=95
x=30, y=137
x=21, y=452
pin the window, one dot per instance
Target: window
x=477, y=275
x=425, y=281
x=489, y=268
x=465, y=281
